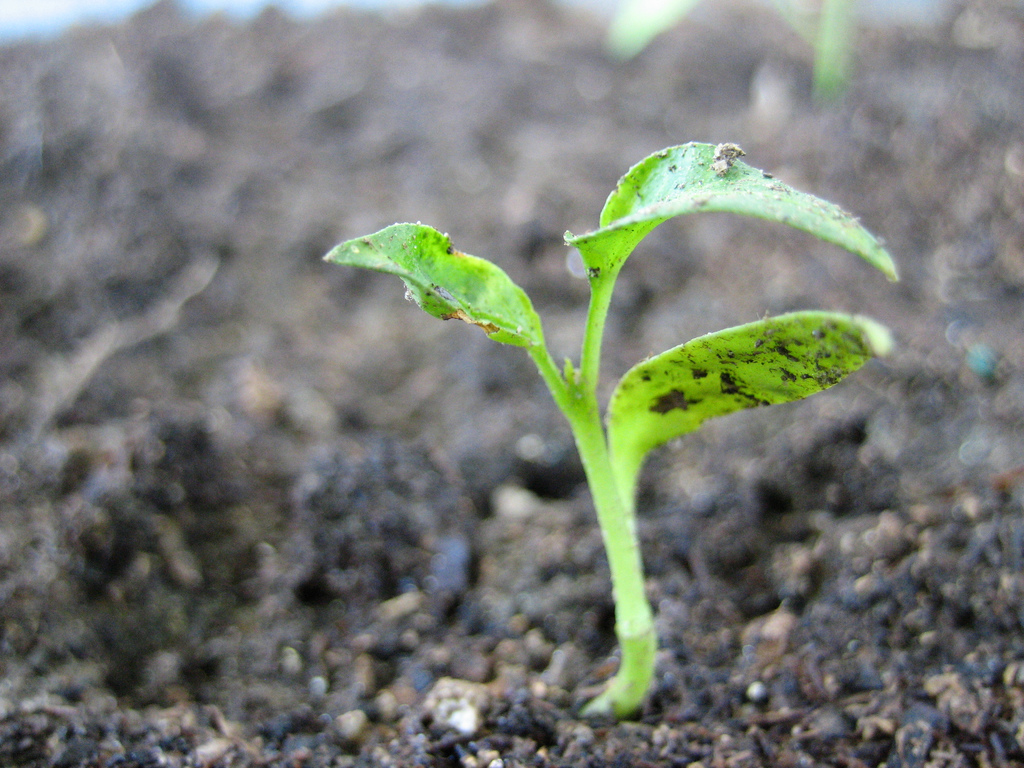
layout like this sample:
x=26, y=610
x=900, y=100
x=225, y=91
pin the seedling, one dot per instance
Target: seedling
x=828, y=29
x=773, y=360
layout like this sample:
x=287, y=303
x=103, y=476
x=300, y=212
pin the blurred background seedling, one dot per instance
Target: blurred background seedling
x=828, y=26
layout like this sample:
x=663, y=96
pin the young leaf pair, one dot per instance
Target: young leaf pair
x=774, y=360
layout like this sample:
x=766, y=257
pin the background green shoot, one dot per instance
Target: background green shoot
x=774, y=360
x=829, y=32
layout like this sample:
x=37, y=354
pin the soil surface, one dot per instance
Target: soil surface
x=257, y=510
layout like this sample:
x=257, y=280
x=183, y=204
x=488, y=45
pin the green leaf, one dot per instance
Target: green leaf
x=446, y=283
x=702, y=177
x=775, y=360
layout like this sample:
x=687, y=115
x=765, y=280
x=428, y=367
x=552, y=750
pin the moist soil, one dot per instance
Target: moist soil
x=258, y=510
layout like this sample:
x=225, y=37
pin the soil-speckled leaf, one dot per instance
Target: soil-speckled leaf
x=775, y=360
x=702, y=177
x=446, y=283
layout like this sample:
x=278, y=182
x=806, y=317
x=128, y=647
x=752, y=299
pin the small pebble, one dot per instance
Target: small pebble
x=352, y=725
x=317, y=686
x=514, y=503
x=401, y=606
x=291, y=661
x=457, y=704
x=830, y=723
x=450, y=566
x=387, y=705
x=530, y=447
x=757, y=692
x=212, y=751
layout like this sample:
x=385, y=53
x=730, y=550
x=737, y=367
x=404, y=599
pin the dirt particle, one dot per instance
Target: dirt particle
x=725, y=155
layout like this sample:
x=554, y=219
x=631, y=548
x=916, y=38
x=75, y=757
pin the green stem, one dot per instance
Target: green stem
x=832, y=48
x=830, y=33
x=601, y=287
x=549, y=372
x=634, y=619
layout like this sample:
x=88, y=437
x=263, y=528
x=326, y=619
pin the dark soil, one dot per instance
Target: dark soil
x=258, y=510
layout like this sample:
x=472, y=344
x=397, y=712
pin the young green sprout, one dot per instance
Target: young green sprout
x=774, y=360
x=828, y=26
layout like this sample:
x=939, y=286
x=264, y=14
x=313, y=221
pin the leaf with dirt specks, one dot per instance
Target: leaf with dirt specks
x=446, y=283
x=703, y=177
x=770, y=361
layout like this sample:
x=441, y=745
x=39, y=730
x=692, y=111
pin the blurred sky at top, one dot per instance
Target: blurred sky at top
x=49, y=17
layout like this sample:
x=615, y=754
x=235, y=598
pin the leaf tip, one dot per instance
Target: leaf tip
x=884, y=262
x=337, y=254
x=879, y=257
x=878, y=338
